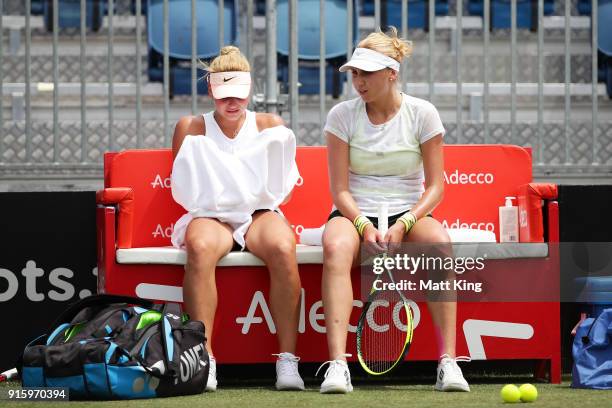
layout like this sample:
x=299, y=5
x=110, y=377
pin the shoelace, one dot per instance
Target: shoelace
x=457, y=358
x=332, y=365
x=290, y=368
x=453, y=361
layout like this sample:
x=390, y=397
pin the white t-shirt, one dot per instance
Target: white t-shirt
x=385, y=161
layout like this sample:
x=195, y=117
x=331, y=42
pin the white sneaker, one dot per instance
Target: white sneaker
x=287, y=374
x=450, y=377
x=337, y=377
x=211, y=384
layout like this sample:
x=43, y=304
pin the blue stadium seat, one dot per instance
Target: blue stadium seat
x=308, y=44
x=143, y=7
x=36, y=7
x=584, y=7
x=179, y=21
x=604, y=35
x=526, y=12
x=70, y=13
x=418, y=12
x=260, y=7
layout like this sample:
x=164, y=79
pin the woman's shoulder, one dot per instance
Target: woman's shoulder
x=418, y=103
x=190, y=125
x=345, y=107
x=187, y=125
x=268, y=120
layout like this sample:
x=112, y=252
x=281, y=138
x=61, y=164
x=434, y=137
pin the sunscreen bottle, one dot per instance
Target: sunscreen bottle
x=508, y=222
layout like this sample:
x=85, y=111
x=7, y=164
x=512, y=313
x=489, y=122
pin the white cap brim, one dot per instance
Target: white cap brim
x=231, y=91
x=230, y=84
x=363, y=65
x=369, y=60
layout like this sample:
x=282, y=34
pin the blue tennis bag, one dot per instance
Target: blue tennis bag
x=592, y=352
x=117, y=347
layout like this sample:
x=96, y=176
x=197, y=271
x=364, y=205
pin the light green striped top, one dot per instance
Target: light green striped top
x=385, y=162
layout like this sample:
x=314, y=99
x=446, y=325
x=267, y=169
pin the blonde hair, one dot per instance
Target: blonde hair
x=388, y=43
x=229, y=59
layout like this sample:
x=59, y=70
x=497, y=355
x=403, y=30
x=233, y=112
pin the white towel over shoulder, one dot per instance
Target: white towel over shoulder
x=209, y=182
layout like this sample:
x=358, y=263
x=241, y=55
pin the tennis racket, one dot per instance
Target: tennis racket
x=384, y=331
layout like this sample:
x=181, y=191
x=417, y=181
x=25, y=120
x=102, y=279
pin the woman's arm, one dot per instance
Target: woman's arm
x=433, y=166
x=338, y=166
x=268, y=120
x=187, y=125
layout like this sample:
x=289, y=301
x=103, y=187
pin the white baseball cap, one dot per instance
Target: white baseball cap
x=231, y=84
x=369, y=60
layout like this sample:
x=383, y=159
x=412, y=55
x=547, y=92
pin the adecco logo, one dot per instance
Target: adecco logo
x=311, y=311
x=59, y=278
x=468, y=178
x=298, y=229
x=161, y=182
x=163, y=232
x=485, y=226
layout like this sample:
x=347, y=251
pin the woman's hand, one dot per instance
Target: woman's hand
x=394, y=236
x=374, y=241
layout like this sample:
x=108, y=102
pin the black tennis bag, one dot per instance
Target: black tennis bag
x=117, y=347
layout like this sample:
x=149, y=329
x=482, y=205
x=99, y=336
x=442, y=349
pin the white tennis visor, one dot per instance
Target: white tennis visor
x=366, y=59
x=232, y=84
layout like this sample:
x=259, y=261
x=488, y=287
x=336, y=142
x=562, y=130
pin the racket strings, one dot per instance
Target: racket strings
x=384, y=333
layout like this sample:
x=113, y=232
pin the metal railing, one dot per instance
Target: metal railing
x=481, y=93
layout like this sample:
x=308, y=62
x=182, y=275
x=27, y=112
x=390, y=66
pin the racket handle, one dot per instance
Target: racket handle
x=383, y=218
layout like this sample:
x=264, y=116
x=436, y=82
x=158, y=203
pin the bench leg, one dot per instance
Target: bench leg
x=548, y=370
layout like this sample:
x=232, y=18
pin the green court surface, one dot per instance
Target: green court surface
x=482, y=395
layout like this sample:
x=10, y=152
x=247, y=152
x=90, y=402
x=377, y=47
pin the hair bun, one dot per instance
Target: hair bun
x=389, y=43
x=229, y=49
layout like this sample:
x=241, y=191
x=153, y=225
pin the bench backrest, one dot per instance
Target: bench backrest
x=478, y=177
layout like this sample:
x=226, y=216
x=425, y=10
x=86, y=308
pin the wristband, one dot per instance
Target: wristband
x=408, y=219
x=360, y=222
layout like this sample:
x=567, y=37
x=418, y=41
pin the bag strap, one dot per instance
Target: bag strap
x=587, y=338
x=171, y=318
x=98, y=300
x=167, y=340
x=173, y=309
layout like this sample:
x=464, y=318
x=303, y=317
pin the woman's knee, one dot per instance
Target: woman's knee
x=439, y=236
x=281, y=247
x=282, y=262
x=202, y=248
x=335, y=247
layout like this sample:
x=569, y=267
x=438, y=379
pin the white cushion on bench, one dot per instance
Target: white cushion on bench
x=314, y=254
x=173, y=256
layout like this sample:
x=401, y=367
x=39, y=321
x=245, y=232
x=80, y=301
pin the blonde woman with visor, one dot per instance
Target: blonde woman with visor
x=233, y=128
x=383, y=147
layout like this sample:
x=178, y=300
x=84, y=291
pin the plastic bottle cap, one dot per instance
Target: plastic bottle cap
x=509, y=201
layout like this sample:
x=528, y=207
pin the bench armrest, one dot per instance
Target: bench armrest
x=531, y=199
x=123, y=199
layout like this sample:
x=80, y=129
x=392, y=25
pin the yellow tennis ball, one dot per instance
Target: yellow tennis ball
x=510, y=393
x=529, y=393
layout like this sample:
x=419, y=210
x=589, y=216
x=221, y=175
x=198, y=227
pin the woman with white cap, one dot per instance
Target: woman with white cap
x=231, y=126
x=383, y=147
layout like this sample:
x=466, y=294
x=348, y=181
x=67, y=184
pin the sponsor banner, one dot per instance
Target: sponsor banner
x=48, y=261
x=477, y=178
x=244, y=330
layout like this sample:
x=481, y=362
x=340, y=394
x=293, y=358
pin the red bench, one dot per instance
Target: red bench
x=136, y=213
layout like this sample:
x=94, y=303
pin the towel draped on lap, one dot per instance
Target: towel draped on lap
x=209, y=182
